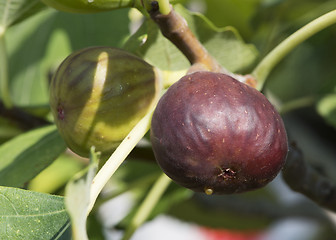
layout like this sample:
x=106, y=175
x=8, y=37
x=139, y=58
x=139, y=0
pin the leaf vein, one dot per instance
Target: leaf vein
x=34, y=215
x=11, y=203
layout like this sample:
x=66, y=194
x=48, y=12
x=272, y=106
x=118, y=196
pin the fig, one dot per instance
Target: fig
x=213, y=134
x=98, y=94
x=88, y=6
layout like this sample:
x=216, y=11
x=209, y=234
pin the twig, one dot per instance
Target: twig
x=25, y=120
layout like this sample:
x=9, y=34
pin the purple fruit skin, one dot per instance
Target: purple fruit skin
x=210, y=131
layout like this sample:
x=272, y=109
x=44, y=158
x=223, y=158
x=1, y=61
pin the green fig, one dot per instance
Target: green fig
x=88, y=6
x=98, y=94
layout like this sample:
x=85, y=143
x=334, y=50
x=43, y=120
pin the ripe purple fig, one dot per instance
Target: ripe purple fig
x=98, y=95
x=214, y=134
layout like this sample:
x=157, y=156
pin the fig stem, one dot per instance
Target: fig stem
x=4, y=88
x=118, y=156
x=263, y=69
x=297, y=103
x=162, y=6
x=145, y=181
x=147, y=205
x=175, y=28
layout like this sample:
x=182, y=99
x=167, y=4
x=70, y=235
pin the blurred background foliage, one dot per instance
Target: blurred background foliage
x=302, y=87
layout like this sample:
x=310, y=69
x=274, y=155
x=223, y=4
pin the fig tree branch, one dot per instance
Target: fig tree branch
x=303, y=178
x=24, y=120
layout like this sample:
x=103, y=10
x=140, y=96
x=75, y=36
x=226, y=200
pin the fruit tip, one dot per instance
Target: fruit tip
x=208, y=191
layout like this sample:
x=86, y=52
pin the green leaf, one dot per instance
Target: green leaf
x=134, y=175
x=23, y=157
x=225, y=44
x=103, y=29
x=94, y=228
x=326, y=107
x=13, y=11
x=173, y=196
x=8, y=129
x=235, y=211
x=77, y=200
x=238, y=14
x=38, y=45
x=26, y=44
x=56, y=175
x=30, y=215
x=138, y=176
x=150, y=44
x=204, y=214
x=295, y=77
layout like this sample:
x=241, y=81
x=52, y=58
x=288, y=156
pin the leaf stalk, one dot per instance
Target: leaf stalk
x=118, y=157
x=147, y=205
x=263, y=69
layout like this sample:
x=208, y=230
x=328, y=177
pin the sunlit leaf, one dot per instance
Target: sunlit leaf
x=150, y=44
x=30, y=215
x=23, y=157
x=56, y=175
x=38, y=45
x=26, y=44
x=13, y=11
x=326, y=107
x=224, y=44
